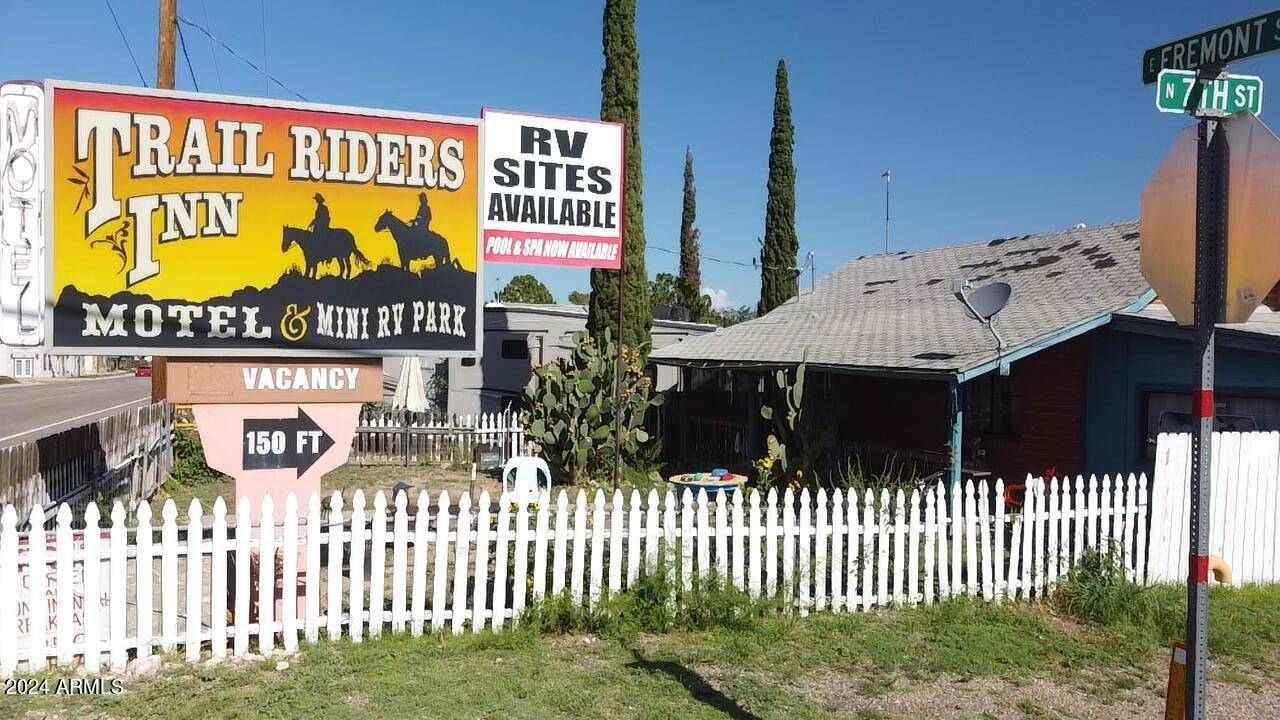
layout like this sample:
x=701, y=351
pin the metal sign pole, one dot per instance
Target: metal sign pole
x=1211, y=254
x=619, y=367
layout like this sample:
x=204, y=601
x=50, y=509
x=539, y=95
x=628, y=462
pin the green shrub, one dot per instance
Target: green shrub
x=1097, y=590
x=6, y=380
x=189, y=466
x=651, y=605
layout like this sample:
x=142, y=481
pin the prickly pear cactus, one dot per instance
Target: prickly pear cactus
x=794, y=428
x=569, y=408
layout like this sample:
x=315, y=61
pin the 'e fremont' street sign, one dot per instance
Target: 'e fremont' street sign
x=1227, y=95
x=1223, y=45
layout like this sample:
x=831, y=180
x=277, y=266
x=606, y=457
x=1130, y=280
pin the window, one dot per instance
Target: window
x=1171, y=413
x=24, y=368
x=515, y=349
x=468, y=362
x=992, y=405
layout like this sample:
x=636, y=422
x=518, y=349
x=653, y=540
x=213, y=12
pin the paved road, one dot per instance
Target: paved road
x=35, y=410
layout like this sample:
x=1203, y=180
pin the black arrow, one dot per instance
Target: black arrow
x=274, y=443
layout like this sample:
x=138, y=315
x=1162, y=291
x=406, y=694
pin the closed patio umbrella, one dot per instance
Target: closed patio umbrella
x=411, y=393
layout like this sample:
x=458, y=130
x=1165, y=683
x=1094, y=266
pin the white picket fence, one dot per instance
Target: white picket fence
x=465, y=567
x=394, y=437
x=1244, y=506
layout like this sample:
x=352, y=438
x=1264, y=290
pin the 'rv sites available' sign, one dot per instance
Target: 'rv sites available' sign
x=553, y=190
x=194, y=224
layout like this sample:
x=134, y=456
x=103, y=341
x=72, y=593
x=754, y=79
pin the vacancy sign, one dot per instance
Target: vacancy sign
x=552, y=190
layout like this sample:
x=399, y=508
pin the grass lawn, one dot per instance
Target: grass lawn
x=954, y=660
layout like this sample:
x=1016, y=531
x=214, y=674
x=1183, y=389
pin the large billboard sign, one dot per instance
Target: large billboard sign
x=553, y=190
x=186, y=224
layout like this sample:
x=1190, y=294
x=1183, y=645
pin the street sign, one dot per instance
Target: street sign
x=1253, y=221
x=1209, y=221
x=1227, y=44
x=1253, y=216
x=1227, y=95
x=275, y=443
x=1168, y=228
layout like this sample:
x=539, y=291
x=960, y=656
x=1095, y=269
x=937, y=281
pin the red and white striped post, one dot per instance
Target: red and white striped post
x=1211, y=254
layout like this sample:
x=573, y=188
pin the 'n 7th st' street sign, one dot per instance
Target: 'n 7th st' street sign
x=1223, y=45
x=1226, y=95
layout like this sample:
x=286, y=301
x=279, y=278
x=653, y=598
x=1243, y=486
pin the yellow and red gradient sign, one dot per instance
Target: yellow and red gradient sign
x=192, y=224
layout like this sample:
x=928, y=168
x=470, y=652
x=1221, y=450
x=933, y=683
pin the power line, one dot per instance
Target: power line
x=791, y=268
x=263, y=5
x=703, y=257
x=271, y=78
x=126, y=43
x=182, y=42
x=213, y=52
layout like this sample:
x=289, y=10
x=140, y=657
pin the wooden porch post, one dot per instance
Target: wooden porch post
x=957, y=435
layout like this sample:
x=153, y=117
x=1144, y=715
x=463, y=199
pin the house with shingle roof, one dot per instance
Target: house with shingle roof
x=1084, y=367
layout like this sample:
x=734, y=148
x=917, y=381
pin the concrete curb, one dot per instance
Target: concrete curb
x=67, y=380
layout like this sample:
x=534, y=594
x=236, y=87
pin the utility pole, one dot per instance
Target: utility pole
x=165, y=52
x=166, y=60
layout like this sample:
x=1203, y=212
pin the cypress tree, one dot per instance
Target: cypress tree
x=781, y=244
x=620, y=102
x=690, y=284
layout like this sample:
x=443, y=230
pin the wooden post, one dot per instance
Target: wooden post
x=405, y=418
x=165, y=62
x=165, y=57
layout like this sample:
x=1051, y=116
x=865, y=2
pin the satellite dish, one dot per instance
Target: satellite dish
x=983, y=303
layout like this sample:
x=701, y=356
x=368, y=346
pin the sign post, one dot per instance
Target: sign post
x=1211, y=251
x=1211, y=95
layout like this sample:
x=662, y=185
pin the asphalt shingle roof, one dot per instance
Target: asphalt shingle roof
x=899, y=311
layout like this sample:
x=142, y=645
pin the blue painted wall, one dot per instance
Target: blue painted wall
x=1124, y=365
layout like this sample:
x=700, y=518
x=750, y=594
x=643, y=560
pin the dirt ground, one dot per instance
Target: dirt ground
x=953, y=698
x=347, y=479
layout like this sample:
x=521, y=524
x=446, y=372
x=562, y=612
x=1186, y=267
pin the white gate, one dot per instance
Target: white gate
x=1243, y=527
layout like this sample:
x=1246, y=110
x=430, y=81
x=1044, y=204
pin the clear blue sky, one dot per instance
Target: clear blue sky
x=996, y=118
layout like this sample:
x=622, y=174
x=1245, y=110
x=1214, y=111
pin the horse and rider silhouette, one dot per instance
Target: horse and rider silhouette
x=321, y=244
x=415, y=240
